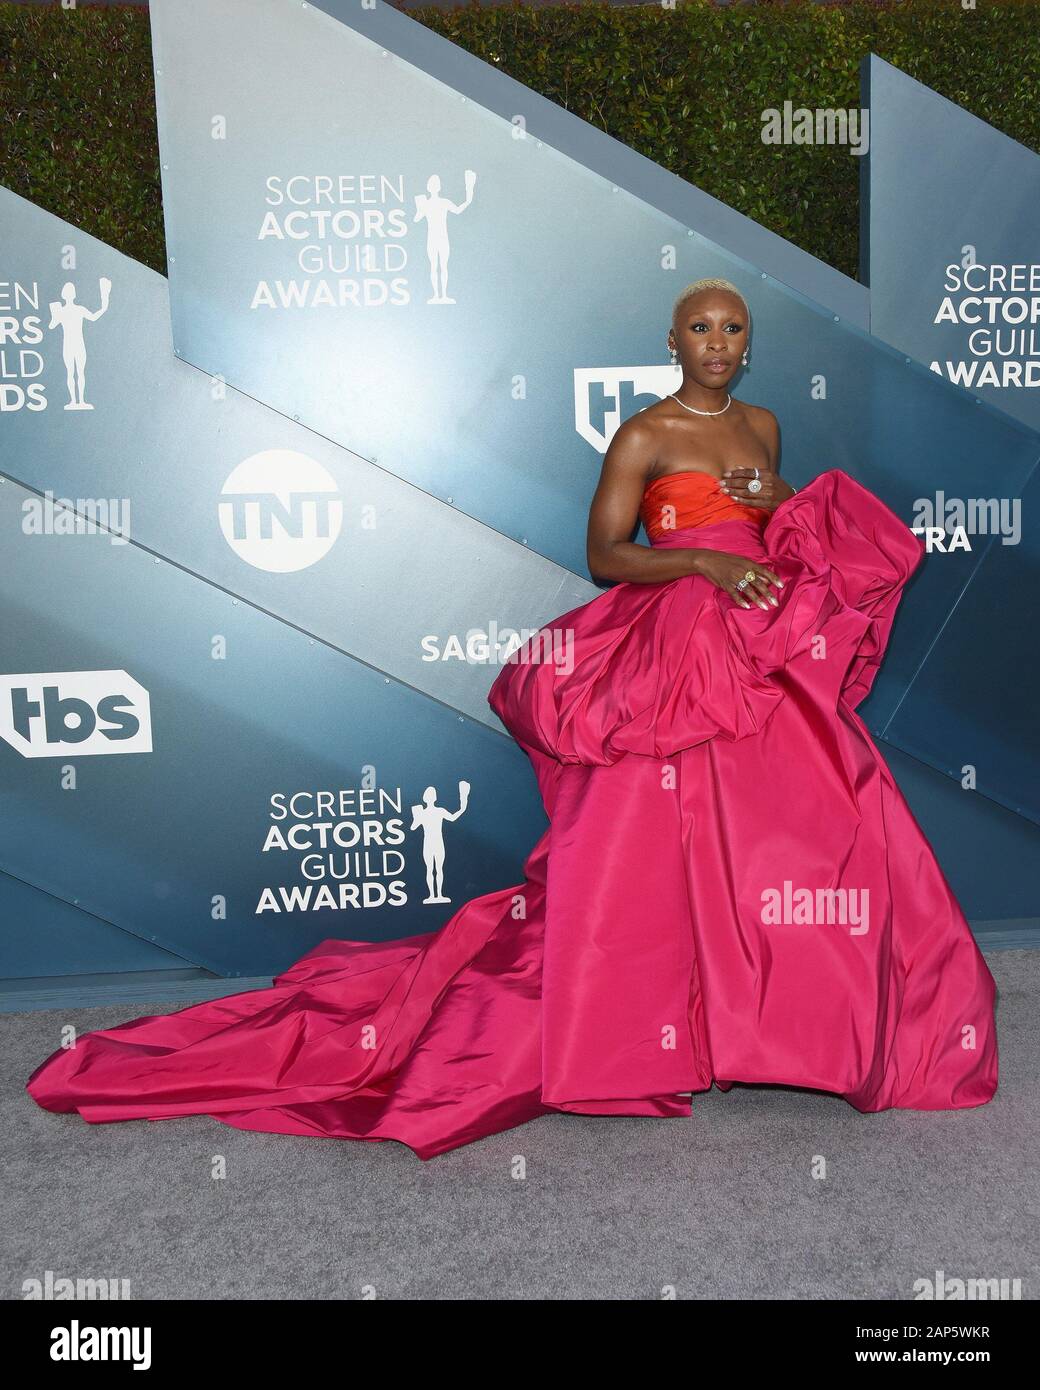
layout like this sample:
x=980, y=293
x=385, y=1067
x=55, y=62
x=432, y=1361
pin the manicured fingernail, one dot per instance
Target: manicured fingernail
x=764, y=605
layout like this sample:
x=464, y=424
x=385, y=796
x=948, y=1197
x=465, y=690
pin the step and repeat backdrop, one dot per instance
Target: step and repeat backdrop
x=271, y=525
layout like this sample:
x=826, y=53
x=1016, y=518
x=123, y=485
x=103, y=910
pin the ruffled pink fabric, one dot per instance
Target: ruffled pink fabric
x=698, y=759
x=661, y=667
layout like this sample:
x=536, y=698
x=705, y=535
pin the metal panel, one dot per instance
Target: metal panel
x=176, y=454
x=47, y=937
x=238, y=708
x=948, y=189
x=563, y=262
x=557, y=274
x=311, y=573
x=973, y=702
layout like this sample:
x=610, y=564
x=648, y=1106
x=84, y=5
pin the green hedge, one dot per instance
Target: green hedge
x=684, y=86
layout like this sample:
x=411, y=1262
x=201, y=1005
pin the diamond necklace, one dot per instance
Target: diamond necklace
x=693, y=408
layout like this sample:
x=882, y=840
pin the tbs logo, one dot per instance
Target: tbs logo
x=73, y=713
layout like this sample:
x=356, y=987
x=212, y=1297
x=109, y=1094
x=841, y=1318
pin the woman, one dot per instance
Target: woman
x=731, y=888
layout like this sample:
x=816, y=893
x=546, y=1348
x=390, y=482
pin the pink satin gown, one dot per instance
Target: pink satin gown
x=731, y=888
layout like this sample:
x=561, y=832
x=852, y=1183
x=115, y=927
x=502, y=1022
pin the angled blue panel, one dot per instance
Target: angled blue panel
x=922, y=456
x=317, y=297
x=219, y=484
x=45, y=936
x=973, y=700
x=561, y=282
x=476, y=422
x=231, y=713
x=971, y=834
x=946, y=189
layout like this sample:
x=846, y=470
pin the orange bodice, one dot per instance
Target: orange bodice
x=690, y=498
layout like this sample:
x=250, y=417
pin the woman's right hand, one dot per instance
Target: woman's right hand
x=728, y=570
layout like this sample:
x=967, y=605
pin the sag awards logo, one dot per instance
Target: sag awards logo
x=22, y=362
x=999, y=308
x=604, y=396
x=354, y=845
x=280, y=511
x=60, y=714
x=350, y=239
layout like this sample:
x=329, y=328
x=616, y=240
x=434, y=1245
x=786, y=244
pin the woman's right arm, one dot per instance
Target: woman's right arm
x=614, y=511
x=612, y=517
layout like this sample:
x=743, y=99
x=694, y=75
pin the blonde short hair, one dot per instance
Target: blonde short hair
x=709, y=283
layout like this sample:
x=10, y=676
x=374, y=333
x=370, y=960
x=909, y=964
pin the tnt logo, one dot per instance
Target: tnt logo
x=60, y=713
x=281, y=511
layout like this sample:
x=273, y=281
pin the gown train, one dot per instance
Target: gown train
x=731, y=887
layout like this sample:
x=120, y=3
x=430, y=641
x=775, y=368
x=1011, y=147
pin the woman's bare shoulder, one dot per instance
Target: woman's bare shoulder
x=647, y=424
x=766, y=426
x=639, y=430
x=759, y=415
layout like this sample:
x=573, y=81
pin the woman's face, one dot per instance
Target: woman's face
x=710, y=335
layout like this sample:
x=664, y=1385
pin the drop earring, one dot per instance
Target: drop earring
x=675, y=357
x=743, y=360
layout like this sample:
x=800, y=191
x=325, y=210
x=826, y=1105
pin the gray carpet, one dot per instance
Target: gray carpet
x=720, y=1205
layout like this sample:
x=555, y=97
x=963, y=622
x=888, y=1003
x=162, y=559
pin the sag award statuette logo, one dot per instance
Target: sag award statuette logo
x=69, y=316
x=434, y=209
x=430, y=818
x=354, y=847
x=22, y=336
x=348, y=239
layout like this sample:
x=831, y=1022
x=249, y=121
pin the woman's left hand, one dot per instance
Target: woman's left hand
x=774, y=490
